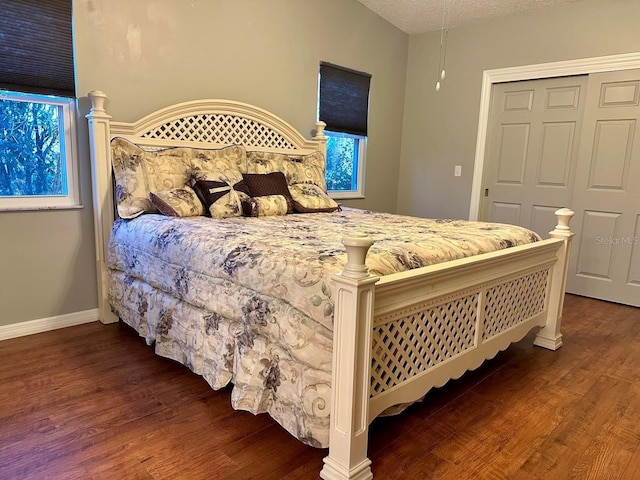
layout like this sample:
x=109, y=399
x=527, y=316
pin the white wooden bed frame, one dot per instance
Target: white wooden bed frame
x=384, y=352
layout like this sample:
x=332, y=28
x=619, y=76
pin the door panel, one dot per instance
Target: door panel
x=513, y=154
x=620, y=94
x=532, y=148
x=518, y=101
x=543, y=218
x=563, y=97
x=555, y=158
x=595, y=249
x=611, y=154
x=606, y=198
x=505, y=213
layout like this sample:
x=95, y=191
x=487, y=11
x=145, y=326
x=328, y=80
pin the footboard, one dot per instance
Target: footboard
x=397, y=337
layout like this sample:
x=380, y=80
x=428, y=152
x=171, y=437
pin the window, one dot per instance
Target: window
x=343, y=104
x=36, y=164
x=345, y=159
x=37, y=106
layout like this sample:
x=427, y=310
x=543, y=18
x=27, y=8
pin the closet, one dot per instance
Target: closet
x=572, y=141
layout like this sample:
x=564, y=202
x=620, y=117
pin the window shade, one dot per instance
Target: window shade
x=36, y=47
x=344, y=99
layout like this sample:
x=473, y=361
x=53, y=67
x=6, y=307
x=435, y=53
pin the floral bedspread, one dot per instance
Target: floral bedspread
x=249, y=300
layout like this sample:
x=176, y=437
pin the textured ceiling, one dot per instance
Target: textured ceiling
x=419, y=16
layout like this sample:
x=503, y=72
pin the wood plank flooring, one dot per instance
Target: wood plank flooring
x=94, y=402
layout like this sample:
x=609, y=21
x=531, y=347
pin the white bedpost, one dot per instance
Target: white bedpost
x=549, y=336
x=103, y=215
x=351, y=378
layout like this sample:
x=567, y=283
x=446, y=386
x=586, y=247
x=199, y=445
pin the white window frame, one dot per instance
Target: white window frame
x=68, y=149
x=362, y=155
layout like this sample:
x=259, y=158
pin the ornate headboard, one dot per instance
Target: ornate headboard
x=211, y=123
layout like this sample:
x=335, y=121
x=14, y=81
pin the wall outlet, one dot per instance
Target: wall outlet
x=457, y=171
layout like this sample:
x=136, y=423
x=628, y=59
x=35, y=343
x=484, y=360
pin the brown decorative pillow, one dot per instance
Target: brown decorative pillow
x=177, y=202
x=221, y=199
x=309, y=198
x=296, y=168
x=265, y=206
x=267, y=184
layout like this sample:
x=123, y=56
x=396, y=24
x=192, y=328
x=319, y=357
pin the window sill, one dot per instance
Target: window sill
x=40, y=208
x=346, y=196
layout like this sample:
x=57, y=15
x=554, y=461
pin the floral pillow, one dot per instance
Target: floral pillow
x=309, y=198
x=211, y=161
x=265, y=206
x=177, y=202
x=139, y=172
x=296, y=168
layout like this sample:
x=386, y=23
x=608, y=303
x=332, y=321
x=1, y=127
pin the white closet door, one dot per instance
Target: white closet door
x=605, y=261
x=532, y=148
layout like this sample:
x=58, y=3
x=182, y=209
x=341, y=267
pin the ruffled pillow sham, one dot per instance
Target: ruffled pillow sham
x=138, y=171
x=296, y=168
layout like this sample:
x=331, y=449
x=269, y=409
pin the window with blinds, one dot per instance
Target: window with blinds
x=343, y=104
x=37, y=106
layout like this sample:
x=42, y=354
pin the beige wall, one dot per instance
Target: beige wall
x=47, y=259
x=152, y=53
x=440, y=128
x=146, y=54
x=47, y=262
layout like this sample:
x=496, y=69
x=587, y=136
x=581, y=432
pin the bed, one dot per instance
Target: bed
x=291, y=300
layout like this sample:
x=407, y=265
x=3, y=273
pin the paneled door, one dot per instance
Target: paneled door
x=532, y=148
x=605, y=260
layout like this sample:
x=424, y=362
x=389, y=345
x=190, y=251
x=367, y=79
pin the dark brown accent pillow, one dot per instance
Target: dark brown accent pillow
x=210, y=191
x=263, y=184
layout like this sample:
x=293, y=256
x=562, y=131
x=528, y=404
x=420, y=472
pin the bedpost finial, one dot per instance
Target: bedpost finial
x=320, y=126
x=562, y=229
x=357, y=245
x=564, y=216
x=97, y=100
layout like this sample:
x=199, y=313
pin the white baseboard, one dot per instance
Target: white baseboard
x=40, y=325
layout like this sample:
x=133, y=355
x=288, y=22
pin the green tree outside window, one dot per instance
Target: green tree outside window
x=31, y=161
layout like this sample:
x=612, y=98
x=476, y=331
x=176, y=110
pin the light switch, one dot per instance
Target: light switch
x=457, y=171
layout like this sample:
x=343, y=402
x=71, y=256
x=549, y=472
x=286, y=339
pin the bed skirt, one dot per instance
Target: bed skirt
x=264, y=377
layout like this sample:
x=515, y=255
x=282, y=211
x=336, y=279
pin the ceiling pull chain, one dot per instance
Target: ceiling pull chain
x=444, y=31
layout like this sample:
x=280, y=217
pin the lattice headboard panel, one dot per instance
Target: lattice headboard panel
x=212, y=123
x=220, y=129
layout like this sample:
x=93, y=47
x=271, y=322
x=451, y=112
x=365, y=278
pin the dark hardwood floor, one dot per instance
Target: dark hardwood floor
x=94, y=402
